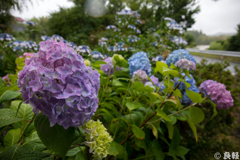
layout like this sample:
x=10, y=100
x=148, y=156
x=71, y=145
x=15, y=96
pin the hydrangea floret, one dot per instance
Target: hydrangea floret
x=108, y=68
x=217, y=93
x=185, y=64
x=139, y=61
x=140, y=75
x=97, y=138
x=57, y=82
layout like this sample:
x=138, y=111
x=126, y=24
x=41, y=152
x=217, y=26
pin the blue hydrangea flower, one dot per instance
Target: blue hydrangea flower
x=57, y=37
x=83, y=49
x=6, y=37
x=139, y=61
x=97, y=55
x=179, y=54
x=44, y=38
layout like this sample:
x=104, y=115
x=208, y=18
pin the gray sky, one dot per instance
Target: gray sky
x=214, y=17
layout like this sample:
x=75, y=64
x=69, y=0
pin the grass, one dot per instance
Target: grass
x=227, y=58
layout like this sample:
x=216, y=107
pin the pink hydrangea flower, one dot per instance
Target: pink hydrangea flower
x=185, y=64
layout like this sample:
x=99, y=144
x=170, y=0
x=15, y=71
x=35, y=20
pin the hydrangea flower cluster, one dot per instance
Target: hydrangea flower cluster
x=98, y=139
x=57, y=82
x=108, y=68
x=111, y=27
x=185, y=64
x=83, y=49
x=6, y=37
x=140, y=75
x=57, y=37
x=217, y=93
x=139, y=61
x=97, y=55
x=179, y=54
x=182, y=87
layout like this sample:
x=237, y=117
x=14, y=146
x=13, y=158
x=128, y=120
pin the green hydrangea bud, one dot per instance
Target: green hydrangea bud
x=98, y=139
x=87, y=62
x=116, y=57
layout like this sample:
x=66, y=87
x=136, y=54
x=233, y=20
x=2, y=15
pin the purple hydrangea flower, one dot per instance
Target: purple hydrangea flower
x=217, y=93
x=108, y=68
x=155, y=80
x=57, y=82
x=185, y=64
x=140, y=75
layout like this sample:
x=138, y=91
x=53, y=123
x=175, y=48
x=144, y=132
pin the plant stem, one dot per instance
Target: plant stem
x=180, y=110
x=26, y=127
x=144, y=122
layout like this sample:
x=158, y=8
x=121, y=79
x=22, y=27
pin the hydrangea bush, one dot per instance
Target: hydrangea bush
x=110, y=103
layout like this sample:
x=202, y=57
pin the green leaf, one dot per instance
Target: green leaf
x=171, y=100
x=195, y=97
x=181, y=151
x=33, y=143
x=25, y=110
x=97, y=64
x=167, y=71
x=196, y=115
x=138, y=132
x=73, y=151
x=155, y=131
x=170, y=129
x=33, y=156
x=117, y=83
x=12, y=87
x=159, y=66
x=12, y=152
x=138, y=86
x=187, y=84
x=157, y=95
x=163, y=115
x=133, y=105
x=12, y=137
x=157, y=150
x=176, y=139
x=80, y=156
x=55, y=138
x=193, y=127
x=177, y=93
x=115, y=148
x=7, y=116
x=9, y=95
x=214, y=108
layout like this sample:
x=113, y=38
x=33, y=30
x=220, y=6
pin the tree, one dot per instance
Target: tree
x=154, y=11
x=234, y=41
x=75, y=25
x=190, y=39
x=6, y=17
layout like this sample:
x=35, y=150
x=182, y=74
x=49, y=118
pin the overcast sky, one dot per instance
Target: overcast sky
x=214, y=17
